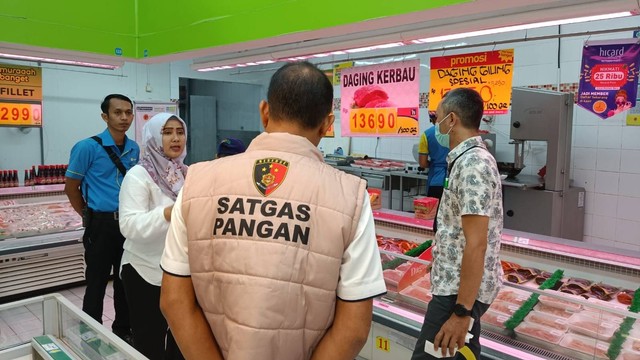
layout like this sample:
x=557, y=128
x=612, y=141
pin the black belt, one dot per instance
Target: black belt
x=113, y=215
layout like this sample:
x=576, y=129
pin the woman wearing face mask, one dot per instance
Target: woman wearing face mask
x=146, y=199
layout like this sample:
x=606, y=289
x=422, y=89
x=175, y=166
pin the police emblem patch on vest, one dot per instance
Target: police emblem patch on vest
x=268, y=174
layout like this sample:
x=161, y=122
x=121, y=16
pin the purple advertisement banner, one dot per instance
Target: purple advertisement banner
x=609, y=76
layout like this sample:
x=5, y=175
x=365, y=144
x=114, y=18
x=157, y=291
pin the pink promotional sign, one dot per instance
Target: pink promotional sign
x=380, y=100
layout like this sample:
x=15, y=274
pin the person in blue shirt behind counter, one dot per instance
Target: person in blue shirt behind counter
x=433, y=156
x=97, y=166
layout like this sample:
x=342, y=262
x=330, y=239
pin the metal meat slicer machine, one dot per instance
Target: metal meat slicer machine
x=549, y=205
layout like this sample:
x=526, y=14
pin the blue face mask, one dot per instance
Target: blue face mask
x=443, y=139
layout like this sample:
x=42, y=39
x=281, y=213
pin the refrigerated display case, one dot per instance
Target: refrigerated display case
x=40, y=240
x=560, y=326
x=53, y=328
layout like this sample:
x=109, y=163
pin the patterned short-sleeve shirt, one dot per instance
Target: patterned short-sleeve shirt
x=474, y=188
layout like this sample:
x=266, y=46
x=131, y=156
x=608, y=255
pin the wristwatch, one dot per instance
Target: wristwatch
x=461, y=311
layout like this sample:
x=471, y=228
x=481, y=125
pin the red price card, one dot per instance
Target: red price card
x=17, y=114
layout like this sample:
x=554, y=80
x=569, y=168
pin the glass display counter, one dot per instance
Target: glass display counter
x=40, y=240
x=51, y=327
x=582, y=319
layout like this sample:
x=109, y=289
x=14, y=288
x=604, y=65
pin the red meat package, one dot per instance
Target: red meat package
x=425, y=208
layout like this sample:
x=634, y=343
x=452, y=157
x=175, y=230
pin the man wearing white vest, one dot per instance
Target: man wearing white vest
x=271, y=254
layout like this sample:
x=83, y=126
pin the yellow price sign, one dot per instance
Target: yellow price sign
x=16, y=114
x=383, y=344
x=373, y=121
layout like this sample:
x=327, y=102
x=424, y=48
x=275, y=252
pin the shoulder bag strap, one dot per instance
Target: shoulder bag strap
x=112, y=155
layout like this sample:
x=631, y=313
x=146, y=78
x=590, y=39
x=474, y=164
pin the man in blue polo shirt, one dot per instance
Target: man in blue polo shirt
x=434, y=156
x=95, y=173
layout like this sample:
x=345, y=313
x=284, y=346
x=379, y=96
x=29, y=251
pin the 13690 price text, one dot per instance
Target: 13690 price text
x=379, y=120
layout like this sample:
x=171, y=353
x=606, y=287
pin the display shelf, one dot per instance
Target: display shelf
x=394, y=314
x=30, y=190
x=58, y=330
x=402, y=218
x=33, y=258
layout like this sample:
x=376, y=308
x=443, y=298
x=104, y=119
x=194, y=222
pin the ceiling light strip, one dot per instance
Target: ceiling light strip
x=435, y=39
x=58, y=61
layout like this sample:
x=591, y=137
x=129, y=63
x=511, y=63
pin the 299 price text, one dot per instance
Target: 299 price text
x=15, y=114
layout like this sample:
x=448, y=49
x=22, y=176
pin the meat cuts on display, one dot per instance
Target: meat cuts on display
x=585, y=345
x=549, y=321
x=394, y=245
x=37, y=219
x=625, y=296
x=512, y=296
x=417, y=293
x=504, y=307
x=494, y=318
x=594, y=328
x=552, y=310
x=540, y=332
x=508, y=267
x=391, y=277
x=560, y=303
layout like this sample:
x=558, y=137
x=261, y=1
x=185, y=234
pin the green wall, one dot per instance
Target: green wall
x=167, y=26
x=81, y=25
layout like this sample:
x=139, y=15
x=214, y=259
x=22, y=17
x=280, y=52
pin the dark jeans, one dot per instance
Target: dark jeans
x=147, y=322
x=439, y=310
x=102, y=253
x=435, y=191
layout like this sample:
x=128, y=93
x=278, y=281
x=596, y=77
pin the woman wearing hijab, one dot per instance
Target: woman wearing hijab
x=147, y=196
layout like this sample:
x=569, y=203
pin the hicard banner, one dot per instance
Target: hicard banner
x=488, y=72
x=380, y=100
x=609, y=76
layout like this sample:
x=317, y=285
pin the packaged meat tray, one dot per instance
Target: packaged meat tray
x=416, y=293
x=542, y=334
x=561, y=303
x=594, y=328
x=550, y=321
x=424, y=282
x=585, y=346
x=391, y=277
x=631, y=349
x=494, y=318
x=377, y=164
x=504, y=307
x=627, y=354
x=512, y=296
x=552, y=310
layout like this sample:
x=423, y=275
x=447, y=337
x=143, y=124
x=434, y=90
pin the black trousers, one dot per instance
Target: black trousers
x=147, y=322
x=438, y=312
x=102, y=253
x=435, y=191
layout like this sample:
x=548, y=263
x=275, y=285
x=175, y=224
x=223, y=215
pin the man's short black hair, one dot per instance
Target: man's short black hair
x=107, y=101
x=300, y=92
x=467, y=104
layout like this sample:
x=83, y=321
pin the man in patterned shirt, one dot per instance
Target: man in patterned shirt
x=466, y=274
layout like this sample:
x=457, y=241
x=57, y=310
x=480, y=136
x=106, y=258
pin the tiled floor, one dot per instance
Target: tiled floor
x=22, y=323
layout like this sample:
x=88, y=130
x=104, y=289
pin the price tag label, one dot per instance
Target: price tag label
x=383, y=344
x=383, y=121
x=15, y=114
x=373, y=121
x=521, y=240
